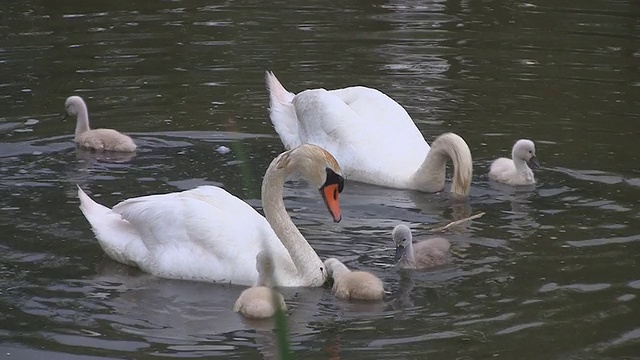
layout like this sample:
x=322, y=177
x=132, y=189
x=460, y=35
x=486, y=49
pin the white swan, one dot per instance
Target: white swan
x=356, y=285
x=372, y=137
x=517, y=170
x=260, y=301
x=421, y=255
x=208, y=234
x=97, y=139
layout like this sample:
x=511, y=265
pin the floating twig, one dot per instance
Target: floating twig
x=453, y=223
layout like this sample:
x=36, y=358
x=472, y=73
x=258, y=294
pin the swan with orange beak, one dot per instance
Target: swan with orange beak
x=207, y=234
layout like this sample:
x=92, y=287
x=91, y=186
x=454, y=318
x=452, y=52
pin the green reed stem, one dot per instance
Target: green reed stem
x=282, y=335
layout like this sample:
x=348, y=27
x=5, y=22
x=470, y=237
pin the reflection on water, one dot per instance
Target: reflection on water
x=553, y=262
x=90, y=157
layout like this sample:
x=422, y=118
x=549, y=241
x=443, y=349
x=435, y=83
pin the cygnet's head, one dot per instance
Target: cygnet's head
x=264, y=262
x=265, y=267
x=526, y=150
x=402, y=237
x=74, y=104
x=318, y=167
x=334, y=265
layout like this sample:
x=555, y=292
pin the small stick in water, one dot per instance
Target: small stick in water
x=443, y=228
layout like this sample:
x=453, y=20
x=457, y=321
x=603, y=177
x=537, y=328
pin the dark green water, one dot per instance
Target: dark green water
x=548, y=273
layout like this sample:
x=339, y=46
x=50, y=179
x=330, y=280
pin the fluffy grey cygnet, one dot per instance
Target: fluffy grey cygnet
x=258, y=302
x=421, y=255
x=355, y=285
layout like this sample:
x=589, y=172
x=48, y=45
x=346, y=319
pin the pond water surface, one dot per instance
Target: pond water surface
x=550, y=272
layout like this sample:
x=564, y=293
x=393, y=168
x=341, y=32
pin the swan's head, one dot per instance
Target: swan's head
x=402, y=237
x=74, y=104
x=322, y=171
x=526, y=150
x=449, y=146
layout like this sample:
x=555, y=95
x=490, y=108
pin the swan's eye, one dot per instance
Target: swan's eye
x=321, y=269
x=530, y=152
x=333, y=178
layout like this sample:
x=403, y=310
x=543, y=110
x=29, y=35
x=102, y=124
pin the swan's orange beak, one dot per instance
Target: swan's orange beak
x=330, y=195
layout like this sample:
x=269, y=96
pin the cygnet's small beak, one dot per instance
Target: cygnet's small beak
x=399, y=252
x=533, y=162
x=330, y=195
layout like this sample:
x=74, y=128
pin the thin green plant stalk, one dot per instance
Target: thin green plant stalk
x=282, y=335
x=238, y=149
x=280, y=318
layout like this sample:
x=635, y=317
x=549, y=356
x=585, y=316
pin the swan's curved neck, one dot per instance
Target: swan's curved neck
x=304, y=257
x=519, y=163
x=82, y=120
x=408, y=253
x=430, y=176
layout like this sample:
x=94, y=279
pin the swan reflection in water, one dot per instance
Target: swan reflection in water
x=181, y=313
x=89, y=164
x=519, y=214
x=89, y=157
x=196, y=316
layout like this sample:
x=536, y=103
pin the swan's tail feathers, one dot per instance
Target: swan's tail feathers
x=462, y=164
x=116, y=236
x=89, y=207
x=282, y=112
x=276, y=90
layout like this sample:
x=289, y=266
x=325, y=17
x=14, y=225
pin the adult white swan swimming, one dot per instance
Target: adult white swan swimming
x=208, y=234
x=372, y=137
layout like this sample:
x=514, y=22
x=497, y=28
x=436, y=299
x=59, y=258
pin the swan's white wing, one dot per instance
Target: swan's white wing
x=201, y=234
x=374, y=106
x=370, y=135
